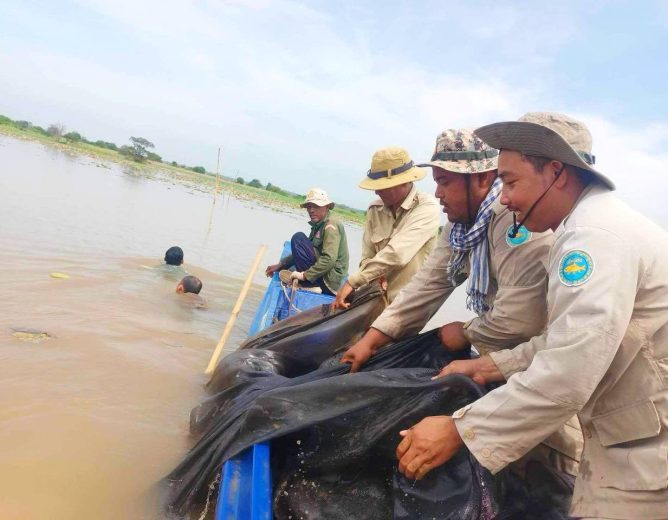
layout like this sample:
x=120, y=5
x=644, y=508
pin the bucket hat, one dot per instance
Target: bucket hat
x=318, y=197
x=546, y=134
x=459, y=150
x=391, y=167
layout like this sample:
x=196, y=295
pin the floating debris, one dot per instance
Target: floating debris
x=63, y=276
x=30, y=335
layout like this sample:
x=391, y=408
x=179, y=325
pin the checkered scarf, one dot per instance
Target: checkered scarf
x=473, y=243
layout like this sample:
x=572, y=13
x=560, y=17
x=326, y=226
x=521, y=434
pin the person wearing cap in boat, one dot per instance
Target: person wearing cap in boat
x=321, y=259
x=401, y=225
x=604, y=353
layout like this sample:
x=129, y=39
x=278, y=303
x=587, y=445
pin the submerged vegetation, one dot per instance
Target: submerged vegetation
x=138, y=154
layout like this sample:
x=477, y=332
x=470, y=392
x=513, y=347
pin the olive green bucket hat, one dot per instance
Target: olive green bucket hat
x=546, y=134
x=459, y=150
x=391, y=167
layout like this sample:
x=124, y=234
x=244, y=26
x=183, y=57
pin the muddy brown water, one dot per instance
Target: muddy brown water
x=94, y=415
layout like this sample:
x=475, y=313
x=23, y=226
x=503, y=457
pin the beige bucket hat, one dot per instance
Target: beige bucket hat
x=459, y=150
x=546, y=134
x=391, y=167
x=318, y=197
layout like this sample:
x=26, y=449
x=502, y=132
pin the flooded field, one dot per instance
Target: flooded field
x=101, y=368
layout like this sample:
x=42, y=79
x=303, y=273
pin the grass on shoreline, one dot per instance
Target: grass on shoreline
x=206, y=180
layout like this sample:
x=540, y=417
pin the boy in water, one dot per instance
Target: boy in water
x=190, y=286
x=173, y=269
x=174, y=256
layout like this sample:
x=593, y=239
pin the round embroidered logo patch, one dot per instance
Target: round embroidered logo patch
x=523, y=234
x=575, y=268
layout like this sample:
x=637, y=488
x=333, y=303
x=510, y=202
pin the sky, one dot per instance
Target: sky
x=301, y=93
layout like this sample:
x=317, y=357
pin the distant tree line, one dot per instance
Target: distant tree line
x=138, y=150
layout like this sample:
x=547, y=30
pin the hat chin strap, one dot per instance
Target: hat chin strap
x=516, y=226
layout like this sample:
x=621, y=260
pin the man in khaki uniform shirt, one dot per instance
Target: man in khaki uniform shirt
x=401, y=226
x=515, y=296
x=604, y=354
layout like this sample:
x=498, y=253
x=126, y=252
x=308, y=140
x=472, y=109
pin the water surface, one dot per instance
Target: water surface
x=93, y=416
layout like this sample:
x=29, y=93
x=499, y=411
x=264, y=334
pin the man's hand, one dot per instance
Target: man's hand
x=296, y=275
x=482, y=370
x=271, y=269
x=360, y=352
x=452, y=336
x=342, y=296
x=431, y=442
x=357, y=355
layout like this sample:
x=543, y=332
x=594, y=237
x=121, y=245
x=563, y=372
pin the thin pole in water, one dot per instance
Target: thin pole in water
x=215, y=191
x=235, y=312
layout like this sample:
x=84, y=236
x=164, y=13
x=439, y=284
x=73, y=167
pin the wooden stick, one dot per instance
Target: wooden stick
x=235, y=312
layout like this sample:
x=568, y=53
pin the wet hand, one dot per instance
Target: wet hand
x=431, y=442
x=482, y=370
x=357, y=355
x=452, y=336
x=342, y=296
x=271, y=269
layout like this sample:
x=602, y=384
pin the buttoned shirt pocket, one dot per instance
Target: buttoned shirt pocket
x=634, y=456
x=380, y=238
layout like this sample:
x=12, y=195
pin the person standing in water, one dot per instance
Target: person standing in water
x=321, y=259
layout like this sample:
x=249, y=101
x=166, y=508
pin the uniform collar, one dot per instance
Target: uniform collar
x=408, y=201
x=594, y=188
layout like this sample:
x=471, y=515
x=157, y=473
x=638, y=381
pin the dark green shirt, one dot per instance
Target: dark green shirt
x=331, y=249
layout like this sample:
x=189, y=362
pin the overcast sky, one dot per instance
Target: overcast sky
x=301, y=93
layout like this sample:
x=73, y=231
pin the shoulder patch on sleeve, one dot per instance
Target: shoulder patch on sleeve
x=575, y=267
x=523, y=235
x=330, y=226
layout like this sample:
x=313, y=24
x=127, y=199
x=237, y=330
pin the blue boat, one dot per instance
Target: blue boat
x=245, y=486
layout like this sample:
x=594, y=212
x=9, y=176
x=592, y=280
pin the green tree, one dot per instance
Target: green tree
x=199, y=169
x=106, y=144
x=154, y=157
x=56, y=130
x=255, y=184
x=73, y=136
x=240, y=180
x=273, y=188
x=139, y=147
x=23, y=125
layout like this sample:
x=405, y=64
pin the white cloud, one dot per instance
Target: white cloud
x=296, y=95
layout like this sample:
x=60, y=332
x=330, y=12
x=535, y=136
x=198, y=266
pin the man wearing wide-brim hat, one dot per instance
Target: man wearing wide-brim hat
x=472, y=248
x=320, y=261
x=401, y=225
x=604, y=354
x=505, y=276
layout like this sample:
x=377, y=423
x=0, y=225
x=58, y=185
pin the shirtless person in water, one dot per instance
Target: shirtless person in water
x=190, y=286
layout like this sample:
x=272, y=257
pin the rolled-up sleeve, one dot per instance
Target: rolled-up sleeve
x=567, y=363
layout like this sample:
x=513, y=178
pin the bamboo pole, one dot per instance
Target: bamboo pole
x=235, y=312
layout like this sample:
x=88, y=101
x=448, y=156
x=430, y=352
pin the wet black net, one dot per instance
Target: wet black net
x=334, y=435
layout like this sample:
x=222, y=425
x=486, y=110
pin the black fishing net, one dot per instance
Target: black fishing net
x=334, y=435
x=302, y=342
